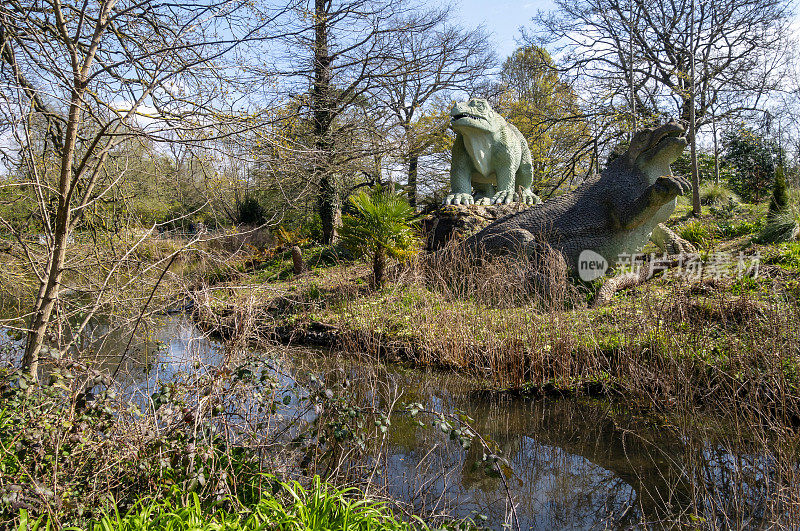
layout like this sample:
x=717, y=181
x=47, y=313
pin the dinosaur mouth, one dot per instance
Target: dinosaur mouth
x=460, y=116
x=666, y=144
x=669, y=134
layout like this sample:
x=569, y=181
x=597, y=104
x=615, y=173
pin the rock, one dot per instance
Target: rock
x=459, y=221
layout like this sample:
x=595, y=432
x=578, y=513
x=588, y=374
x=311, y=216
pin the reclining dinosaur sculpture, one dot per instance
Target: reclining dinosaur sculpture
x=613, y=214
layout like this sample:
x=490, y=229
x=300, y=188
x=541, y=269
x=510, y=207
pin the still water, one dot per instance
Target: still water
x=572, y=463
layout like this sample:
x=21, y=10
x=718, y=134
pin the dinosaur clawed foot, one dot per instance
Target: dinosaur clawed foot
x=672, y=185
x=507, y=197
x=503, y=197
x=459, y=199
x=528, y=198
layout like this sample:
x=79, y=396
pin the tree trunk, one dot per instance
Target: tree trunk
x=693, y=127
x=328, y=207
x=297, y=260
x=413, y=162
x=695, y=174
x=379, y=266
x=321, y=105
x=716, y=150
x=48, y=291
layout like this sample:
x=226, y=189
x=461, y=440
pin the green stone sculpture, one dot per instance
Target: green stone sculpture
x=609, y=216
x=490, y=156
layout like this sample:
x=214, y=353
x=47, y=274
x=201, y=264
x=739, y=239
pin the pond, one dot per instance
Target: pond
x=571, y=463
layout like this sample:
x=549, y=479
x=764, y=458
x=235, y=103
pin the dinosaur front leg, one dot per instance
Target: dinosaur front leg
x=505, y=186
x=460, y=176
x=524, y=177
x=664, y=190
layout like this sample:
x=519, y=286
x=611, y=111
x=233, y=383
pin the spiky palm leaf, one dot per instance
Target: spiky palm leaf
x=381, y=225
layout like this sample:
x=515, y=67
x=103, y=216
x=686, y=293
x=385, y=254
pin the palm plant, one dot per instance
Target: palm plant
x=380, y=227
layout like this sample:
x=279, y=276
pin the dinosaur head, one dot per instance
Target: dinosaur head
x=652, y=150
x=474, y=114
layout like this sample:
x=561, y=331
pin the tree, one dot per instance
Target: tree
x=707, y=167
x=346, y=42
x=436, y=59
x=354, y=49
x=779, y=201
x=379, y=228
x=545, y=109
x=754, y=158
x=84, y=77
x=664, y=57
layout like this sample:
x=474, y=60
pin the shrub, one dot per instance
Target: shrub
x=784, y=226
x=717, y=195
x=753, y=157
x=696, y=233
x=249, y=211
x=780, y=195
x=380, y=227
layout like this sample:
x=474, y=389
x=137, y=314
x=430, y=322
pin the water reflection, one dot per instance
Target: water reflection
x=577, y=464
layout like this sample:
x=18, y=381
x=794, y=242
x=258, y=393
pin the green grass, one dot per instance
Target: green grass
x=784, y=227
x=717, y=195
x=786, y=254
x=696, y=233
x=321, y=507
x=734, y=229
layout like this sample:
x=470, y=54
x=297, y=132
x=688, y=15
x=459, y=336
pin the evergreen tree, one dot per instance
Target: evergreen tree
x=780, y=195
x=753, y=158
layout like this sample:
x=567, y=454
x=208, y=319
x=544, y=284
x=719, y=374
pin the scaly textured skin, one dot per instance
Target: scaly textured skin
x=611, y=214
x=489, y=155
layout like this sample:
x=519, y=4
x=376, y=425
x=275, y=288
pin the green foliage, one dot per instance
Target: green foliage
x=249, y=211
x=380, y=226
x=783, y=218
x=788, y=255
x=291, y=507
x=753, y=158
x=696, y=233
x=705, y=167
x=717, y=195
x=75, y=450
x=783, y=226
x=17, y=206
x=543, y=107
x=735, y=229
x=779, y=201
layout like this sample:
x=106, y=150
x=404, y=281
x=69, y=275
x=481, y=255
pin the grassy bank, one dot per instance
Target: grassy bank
x=725, y=334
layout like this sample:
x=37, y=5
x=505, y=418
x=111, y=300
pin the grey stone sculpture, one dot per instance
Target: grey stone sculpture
x=489, y=155
x=610, y=215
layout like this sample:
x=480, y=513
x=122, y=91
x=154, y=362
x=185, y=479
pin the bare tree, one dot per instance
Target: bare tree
x=354, y=49
x=91, y=75
x=687, y=57
x=433, y=58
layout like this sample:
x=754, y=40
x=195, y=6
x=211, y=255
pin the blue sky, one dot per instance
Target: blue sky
x=503, y=18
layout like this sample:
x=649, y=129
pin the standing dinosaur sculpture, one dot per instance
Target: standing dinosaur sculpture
x=489, y=155
x=610, y=215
